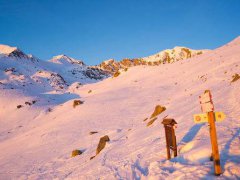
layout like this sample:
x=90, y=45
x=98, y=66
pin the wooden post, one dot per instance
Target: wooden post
x=171, y=143
x=211, y=116
x=167, y=143
x=213, y=136
x=174, y=142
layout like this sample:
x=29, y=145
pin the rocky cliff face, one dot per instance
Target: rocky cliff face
x=163, y=57
x=172, y=55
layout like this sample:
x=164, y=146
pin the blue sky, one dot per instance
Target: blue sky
x=96, y=30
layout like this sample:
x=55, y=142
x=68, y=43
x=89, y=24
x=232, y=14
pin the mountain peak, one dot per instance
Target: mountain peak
x=175, y=54
x=60, y=56
x=109, y=61
x=179, y=47
x=5, y=49
x=64, y=59
x=12, y=52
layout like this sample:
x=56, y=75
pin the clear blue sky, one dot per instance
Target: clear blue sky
x=96, y=30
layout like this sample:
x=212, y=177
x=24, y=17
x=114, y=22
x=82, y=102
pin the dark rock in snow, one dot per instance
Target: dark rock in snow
x=76, y=152
x=19, y=106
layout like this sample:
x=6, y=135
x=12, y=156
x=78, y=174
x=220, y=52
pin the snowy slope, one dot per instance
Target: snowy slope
x=36, y=140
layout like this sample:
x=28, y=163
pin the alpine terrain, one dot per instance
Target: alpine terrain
x=53, y=114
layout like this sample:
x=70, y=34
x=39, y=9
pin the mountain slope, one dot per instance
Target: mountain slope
x=39, y=146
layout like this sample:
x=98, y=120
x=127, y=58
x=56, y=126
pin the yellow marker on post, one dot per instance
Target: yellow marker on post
x=200, y=118
x=219, y=116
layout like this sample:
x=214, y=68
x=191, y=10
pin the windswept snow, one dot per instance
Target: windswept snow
x=36, y=140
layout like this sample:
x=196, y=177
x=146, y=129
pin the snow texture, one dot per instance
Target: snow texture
x=36, y=140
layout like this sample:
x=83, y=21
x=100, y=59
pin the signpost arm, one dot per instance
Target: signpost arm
x=213, y=135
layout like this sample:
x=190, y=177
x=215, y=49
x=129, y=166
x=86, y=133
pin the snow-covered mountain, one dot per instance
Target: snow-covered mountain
x=163, y=57
x=63, y=59
x=21, y=71
x=40, y=124
x=15, y=53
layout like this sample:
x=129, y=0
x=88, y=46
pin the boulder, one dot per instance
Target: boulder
x=158, y=110
x=76, y=103
x=235, y=77
x=102, y=143
x=19, y=106
x=76, y=152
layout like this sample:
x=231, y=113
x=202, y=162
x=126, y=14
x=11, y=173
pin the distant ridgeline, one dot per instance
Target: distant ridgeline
x=163, y=57
x=106, y=68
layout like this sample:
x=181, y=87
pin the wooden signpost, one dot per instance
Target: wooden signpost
x=171, y=143
x=210, y=116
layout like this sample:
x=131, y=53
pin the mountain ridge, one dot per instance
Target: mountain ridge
x=162, y=57
x=111, y=66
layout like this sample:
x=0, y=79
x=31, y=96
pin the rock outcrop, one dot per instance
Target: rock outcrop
x=163, y=57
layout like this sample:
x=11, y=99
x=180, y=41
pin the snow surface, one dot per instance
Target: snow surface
x=36, y=140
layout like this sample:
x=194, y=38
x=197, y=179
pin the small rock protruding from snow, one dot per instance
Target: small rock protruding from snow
x=101, y=145
x=76, y=103
x=76, y=152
